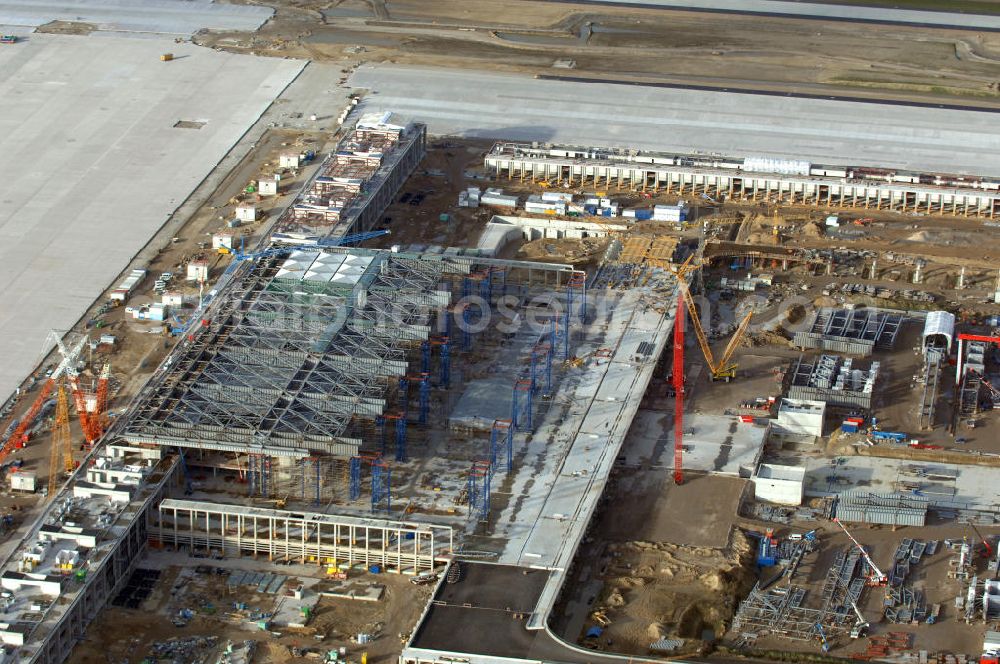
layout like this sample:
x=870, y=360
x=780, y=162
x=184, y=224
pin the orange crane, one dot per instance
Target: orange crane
x=100, y=414
x=18, y=436
x=61, y=442
x=724, y=369
x=88, y=424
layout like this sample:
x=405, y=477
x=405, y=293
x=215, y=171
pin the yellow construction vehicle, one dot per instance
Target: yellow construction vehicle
x=724, y=369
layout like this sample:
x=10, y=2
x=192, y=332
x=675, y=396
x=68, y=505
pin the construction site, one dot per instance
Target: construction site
x=380, y=395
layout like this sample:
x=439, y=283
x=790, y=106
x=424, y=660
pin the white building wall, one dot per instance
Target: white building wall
x=782, y=492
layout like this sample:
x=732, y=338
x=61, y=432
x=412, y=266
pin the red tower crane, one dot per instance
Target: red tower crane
x=679, y=389
x=100, y=415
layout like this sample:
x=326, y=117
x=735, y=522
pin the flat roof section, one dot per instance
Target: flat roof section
x=93, y=165
x=516, y=107
x=477, y=614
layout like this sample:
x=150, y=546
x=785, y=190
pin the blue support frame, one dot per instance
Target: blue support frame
x=380, y=423
x=445, y=364
x=502, y=444
x=479, y=490
x=404, y=395
x=401, y=439
x=521, y=408
x=425, y=399
x=355, y=470
x=425, y=357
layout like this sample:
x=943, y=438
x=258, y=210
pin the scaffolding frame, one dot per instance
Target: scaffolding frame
x=480, y=476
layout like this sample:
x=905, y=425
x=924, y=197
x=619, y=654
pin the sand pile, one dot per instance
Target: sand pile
x=661, y=590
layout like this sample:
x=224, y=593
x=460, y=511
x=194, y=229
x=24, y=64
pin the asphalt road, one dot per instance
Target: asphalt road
x=815, y=10
x=517, y=107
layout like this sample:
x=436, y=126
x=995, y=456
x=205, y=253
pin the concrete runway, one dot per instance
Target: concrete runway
x=518, y=107
x=813, y=10
x=172, y=17
x=93, y=166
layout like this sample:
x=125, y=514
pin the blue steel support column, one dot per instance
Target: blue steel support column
x=401, y=438
x=548, y=370
x=425, y=357
x=466, y=324
x=534, y=369
x=425, y=399
x=355, y=487
x=446, y=364
x=380, y=423
x=404, y=395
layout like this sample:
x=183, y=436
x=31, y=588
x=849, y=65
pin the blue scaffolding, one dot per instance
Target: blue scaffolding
x=426, y=364
x=576, y=295
x=466, y=327
x=445, y=363
x=479, y=490
x=380, y=423
x=404, y=395
x=560, y=334
x=425, y=398
x=425, y=357
x=400, y=420
x=401, y=438
x=381, y=486
x=502, y=444
x=520, y=407
x=541, y=367
x=355, y=471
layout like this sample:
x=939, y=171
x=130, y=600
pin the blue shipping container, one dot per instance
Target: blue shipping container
x=590, y=209
x=849, y=427
x=644, y=215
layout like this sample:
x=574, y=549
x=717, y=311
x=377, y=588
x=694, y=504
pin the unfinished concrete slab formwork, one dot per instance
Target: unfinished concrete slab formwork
x=734, y=178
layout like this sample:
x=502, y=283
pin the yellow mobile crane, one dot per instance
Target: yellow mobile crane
x=724, y=369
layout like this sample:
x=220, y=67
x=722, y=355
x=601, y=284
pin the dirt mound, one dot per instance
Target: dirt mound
x=813, y=229
x=657, y=590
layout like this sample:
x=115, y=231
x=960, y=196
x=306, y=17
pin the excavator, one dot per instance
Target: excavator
x=724, y=369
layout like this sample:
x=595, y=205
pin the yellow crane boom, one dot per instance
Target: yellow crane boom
x=723, y=369
x=62, y=443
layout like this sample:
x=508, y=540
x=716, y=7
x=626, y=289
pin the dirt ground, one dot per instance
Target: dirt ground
x=681, y=47
x=131, y=635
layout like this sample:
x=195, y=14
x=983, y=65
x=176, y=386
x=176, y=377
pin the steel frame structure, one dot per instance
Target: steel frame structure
x=284, y=366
